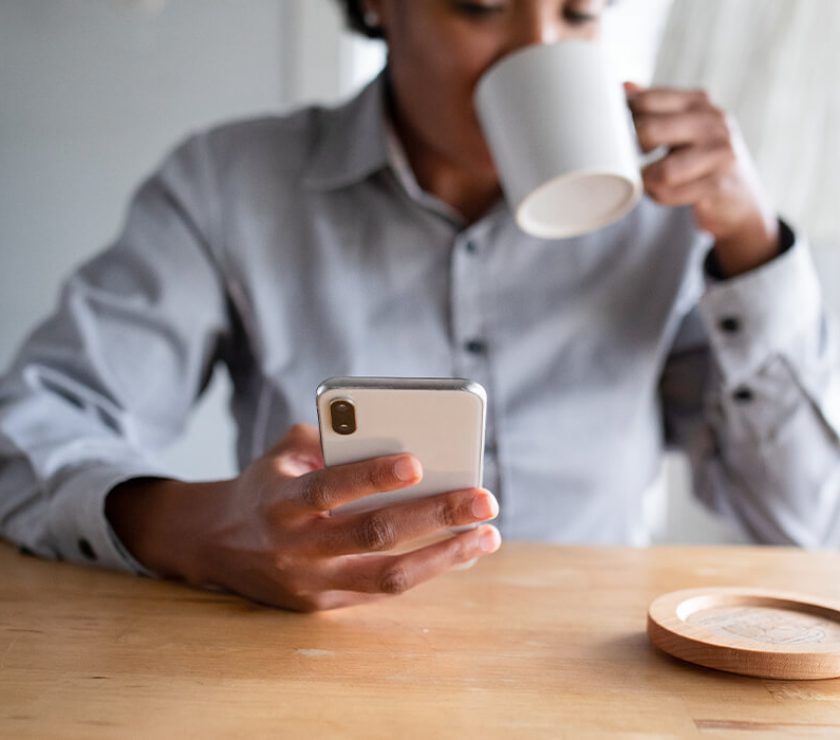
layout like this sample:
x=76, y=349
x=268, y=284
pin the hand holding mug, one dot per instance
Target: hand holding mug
x=707, y=166
x=557, y=123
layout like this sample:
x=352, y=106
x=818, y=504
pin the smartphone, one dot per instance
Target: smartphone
x=439, y=420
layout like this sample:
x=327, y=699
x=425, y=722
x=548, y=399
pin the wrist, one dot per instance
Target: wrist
x=748, y=248
x=164, y=524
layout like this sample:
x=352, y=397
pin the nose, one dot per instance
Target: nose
x=542, y=25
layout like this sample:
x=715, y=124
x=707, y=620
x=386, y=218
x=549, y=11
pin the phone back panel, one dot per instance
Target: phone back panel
x=440, y=421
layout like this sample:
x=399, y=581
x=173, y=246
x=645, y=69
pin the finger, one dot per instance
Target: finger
x=678, y=129
x=666, y=100
x=689, y=194
x=331, y=487
x=395, y=525
x=685, y=166
x=393, y=574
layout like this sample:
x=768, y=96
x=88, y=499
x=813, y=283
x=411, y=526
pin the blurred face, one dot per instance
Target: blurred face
x=438, y=49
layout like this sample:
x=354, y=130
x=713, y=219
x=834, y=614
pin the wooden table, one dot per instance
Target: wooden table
x=534, y=641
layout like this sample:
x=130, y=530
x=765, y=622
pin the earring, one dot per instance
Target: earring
x=371, y=19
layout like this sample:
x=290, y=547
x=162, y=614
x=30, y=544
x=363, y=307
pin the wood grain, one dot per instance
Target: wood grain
x=534, y=641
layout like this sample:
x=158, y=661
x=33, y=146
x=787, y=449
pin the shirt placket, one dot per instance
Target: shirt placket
x=472, y=348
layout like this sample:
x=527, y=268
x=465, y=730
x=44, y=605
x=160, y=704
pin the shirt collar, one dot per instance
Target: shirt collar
x=358, y=139
x=352, y=142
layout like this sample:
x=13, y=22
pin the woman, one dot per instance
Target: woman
x=372, y=240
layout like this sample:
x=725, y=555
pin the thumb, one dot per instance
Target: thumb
x=301, y=449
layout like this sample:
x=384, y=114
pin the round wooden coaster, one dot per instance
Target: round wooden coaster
x=755, y=632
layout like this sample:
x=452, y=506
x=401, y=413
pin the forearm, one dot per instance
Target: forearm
x=165, y=524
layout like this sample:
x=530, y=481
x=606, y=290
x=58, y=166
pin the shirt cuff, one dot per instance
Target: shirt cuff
x=757, y=315
x=77, y=520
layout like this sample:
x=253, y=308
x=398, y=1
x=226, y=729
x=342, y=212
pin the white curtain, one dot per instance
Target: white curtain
x=774, y=64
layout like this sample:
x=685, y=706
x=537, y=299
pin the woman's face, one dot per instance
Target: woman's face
x=438, y=49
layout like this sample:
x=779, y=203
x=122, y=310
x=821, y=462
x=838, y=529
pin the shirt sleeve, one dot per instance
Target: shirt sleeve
x=111, y=375
x=751, y=391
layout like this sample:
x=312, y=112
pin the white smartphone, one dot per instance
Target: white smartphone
x=439, y=420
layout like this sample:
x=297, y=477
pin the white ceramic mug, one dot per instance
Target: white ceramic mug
x=557, y=123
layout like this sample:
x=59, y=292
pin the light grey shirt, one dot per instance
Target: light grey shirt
x=291, y=249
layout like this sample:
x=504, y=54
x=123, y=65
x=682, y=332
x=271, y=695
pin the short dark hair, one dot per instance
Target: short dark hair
x=355, y=18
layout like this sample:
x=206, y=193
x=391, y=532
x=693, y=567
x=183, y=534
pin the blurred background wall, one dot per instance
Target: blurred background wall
x=93, y=93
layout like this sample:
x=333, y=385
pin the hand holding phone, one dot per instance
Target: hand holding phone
x=291, y=532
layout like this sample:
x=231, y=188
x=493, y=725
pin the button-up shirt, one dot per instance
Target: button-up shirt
x=291, y=249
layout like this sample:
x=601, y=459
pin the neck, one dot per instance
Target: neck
x=471, y=192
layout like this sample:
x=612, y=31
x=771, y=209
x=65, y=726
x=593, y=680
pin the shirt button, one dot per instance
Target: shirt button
x=743, y=395
x=729, y=324
x=471, y=247
x=474, y=346
x=86, y=549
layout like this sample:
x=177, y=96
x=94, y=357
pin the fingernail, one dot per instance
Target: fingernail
x=406, y=469
x=484, y=506
x=490, y=540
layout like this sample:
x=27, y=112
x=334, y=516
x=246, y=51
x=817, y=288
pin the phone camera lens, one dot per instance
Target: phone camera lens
x=343, y=417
